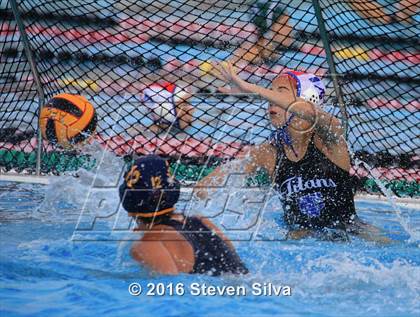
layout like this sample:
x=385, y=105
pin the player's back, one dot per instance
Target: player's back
x=192, y=245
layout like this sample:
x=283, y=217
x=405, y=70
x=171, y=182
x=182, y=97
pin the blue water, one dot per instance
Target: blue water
x=46, y=273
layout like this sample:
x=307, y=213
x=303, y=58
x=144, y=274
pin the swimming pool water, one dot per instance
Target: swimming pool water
x=44, y=273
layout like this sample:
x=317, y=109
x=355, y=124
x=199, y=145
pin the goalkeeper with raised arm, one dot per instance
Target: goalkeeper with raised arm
x=306, y=156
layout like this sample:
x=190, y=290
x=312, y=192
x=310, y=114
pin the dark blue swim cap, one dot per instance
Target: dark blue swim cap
x=149, y=190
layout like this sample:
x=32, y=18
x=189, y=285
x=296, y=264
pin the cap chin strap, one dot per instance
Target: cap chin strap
x=281, y=135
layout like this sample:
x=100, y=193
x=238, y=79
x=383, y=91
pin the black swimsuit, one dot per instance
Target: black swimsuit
x=315, y=193
x=212, y=255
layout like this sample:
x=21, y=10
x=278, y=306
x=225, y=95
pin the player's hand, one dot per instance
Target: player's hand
x=226, y=72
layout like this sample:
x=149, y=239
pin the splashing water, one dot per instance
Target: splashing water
x=87, y=195
x=75, y=189
x=87, y=277
x=414, y=234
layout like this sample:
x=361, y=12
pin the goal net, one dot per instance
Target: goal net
x=109, y=51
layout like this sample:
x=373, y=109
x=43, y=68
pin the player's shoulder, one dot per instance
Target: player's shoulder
x=265, y=147
x=263, y=153
x=337, y=153
x=160, y=232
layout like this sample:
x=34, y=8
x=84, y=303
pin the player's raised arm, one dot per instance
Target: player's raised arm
x=283, y=95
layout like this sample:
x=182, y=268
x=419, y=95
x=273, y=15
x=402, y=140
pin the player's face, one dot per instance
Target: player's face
x=278, y=116
x=284, y=84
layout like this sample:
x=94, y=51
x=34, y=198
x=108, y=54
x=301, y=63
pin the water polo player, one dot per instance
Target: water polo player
x=168, y=107
x=306, y=156
x=172, y=243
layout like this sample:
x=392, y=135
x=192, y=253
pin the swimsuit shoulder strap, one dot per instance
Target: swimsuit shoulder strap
x=185, y=227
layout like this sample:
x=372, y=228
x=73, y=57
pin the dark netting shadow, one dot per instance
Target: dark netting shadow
x=110, y=51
